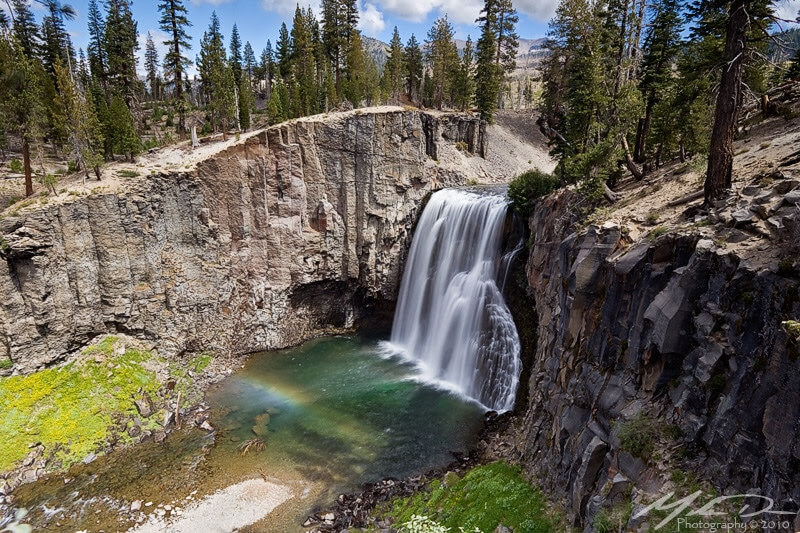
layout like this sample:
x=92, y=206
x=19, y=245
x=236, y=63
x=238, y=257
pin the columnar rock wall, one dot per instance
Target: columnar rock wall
x=284, y=236
x=672, y=332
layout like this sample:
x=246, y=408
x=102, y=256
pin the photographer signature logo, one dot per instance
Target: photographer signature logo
x=761, y=514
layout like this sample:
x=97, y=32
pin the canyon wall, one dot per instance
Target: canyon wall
x=291, y=233
x=662, y=356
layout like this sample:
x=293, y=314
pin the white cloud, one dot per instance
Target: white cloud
x=370, y=20
x=542, y=10
x=466, y=11
x=158, y=39
x=286, y=8
x=463, y=11
x=210, y=2
x=787, y=9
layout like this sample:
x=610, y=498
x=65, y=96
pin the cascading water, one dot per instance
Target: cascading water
x=451, y=316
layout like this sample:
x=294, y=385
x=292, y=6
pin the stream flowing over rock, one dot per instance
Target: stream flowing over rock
x=296, y=231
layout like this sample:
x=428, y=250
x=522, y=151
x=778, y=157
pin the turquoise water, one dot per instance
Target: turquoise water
x=343, y=413
x=332, y=414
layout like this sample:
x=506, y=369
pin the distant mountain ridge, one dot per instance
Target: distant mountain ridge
x=530, y=52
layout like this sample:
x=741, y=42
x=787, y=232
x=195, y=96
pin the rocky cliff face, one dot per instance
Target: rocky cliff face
x=667, y=354
x=289, y=234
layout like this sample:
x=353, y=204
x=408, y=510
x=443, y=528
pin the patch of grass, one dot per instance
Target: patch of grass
x=15, y=165
x=652, y=218
x=6, y=363
x=75, y=409
x=486, y=497
x=127, y=173
x=614, y=519
x=200, y=362
x=461, y=146
x=639, y=434
x=792, y=328
x=657, y=232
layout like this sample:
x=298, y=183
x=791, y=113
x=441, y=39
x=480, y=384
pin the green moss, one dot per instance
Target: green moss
x=792, y=328
x=200, y=362
x=75, y=409
x=639, y=434
x=611, y=520
x=486, y=497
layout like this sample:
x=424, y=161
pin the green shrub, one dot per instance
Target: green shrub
x=529, y=186
x=16, y=166
x=486, y=497
x=637, y=436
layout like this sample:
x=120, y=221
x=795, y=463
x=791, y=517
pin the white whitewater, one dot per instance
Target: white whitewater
x=451, y=316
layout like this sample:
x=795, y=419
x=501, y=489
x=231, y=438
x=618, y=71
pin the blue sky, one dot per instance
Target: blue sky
x=259, y=20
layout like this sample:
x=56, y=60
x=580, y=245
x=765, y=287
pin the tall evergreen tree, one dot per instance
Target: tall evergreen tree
x=98, y=62
x=249, y=60
x=464, y=86
x=394, y=70
x=235, y=58
x=742, y=17
x=21, y=96
x=216, y=76
x=56, y=43
x=303, y=60
x=151, y=65
x=505, y=20
x=283, y=52
x=339, y=21
x=120, y=43
x=413, y=69
x=25, y=29
x=84, y=130
x=442, y=58
x=175, y=21
x=488, y=73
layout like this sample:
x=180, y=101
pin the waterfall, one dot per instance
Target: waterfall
x=451, y=316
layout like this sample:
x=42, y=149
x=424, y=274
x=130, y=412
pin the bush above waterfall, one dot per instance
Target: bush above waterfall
x=529, y=186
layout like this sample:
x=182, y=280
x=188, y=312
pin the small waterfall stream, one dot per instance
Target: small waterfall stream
x=451, y=316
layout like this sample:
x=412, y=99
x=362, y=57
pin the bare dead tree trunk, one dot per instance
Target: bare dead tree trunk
x=726, y=113
x=640, y=150
x=26, y=163
x=637, y=173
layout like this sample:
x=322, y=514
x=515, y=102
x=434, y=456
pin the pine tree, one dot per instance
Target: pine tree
x=394, y=70
x=505, y=18
x=339, y=21
x=283, y=53
x=303, y=62
x=235, y=58
x=56, y=43
x=354, y=85
x=661, y=46
x=442, y=58
x=216, y=76
x=120, y=43
x=464, y=86
x=413, y=69
x=487, y=72
x=151, y=67
x=98, y=62
x=25, y=29
x=743, y=16
x=123, y=131
x=85, y=133
x=21, y=99
x=249, y=60
x=175, y=21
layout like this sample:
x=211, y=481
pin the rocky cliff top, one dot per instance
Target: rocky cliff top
x=509, y=152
